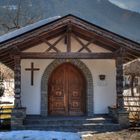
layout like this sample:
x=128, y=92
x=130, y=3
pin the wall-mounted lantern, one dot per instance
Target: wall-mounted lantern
x=102, y=77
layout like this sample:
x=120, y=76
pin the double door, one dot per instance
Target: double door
x=66, y=91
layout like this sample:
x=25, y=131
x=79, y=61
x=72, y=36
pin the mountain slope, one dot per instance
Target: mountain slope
x=100, y=12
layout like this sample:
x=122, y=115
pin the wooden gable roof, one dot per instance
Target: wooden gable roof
x=79, y=27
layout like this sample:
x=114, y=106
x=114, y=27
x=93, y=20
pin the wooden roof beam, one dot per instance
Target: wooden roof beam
x=67, y=55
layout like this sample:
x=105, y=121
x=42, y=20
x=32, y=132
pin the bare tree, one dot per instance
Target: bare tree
x=132, y=95
x=15, y=14
x=6, y=77
x=133, y=71
x=19, y=13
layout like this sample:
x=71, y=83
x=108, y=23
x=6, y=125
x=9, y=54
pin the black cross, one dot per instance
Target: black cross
x=32, y=69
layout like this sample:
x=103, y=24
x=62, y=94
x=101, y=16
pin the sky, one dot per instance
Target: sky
x=133, y=5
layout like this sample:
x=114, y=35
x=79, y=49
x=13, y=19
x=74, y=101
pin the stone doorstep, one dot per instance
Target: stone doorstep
x=66, y=120
x=70, y=124
x=78, y=128
x=69, y=118
x=73, y=125
x=75, y=130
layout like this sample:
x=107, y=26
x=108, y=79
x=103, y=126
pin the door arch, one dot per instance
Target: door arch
x=45, y=79
x=67, y=91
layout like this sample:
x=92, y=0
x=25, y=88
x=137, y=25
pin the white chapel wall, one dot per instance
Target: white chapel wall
x=104, y=92
x=31, y=94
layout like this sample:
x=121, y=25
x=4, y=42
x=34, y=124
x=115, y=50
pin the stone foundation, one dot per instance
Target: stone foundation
x=17, y=118
x=119, y=116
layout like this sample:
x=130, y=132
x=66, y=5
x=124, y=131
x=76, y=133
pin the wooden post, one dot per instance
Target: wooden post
x=68, y=38
x=17, y=77
x=119, y=79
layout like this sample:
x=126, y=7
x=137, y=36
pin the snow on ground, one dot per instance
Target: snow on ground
x=7, y=99
x=38, y=135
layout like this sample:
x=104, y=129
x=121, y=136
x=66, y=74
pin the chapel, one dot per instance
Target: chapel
x=67, y=67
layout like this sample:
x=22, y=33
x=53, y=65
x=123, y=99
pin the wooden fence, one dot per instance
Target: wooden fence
x=5, y=116
x=133, y=105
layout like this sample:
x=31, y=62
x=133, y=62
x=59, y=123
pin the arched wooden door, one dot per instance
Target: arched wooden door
x=67, y=91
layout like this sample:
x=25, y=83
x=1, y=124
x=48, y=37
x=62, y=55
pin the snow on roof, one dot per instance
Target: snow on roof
x=27, y=28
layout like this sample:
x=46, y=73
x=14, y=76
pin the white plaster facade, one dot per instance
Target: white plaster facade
x=104, y=91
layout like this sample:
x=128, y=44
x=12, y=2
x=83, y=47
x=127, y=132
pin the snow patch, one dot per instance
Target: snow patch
x=9, y=99
x=38, y=135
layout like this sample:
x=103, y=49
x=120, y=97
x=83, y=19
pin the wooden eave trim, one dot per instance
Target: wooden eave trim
x=107, y=34
x=36, y=41
x=132, y=55
x=46, y=29
x=97, y=40
x=61, y=26
x=89, y=27
x=30, y=42
x=111, y=40
x=109, y=45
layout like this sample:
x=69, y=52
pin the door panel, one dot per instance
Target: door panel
x=56, y=93
x=76, y=93
x=66, y=91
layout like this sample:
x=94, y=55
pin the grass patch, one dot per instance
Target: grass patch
x=119, y=135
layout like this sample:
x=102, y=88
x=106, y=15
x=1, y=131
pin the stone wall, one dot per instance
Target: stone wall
x=17, y=118
x=119, y=116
